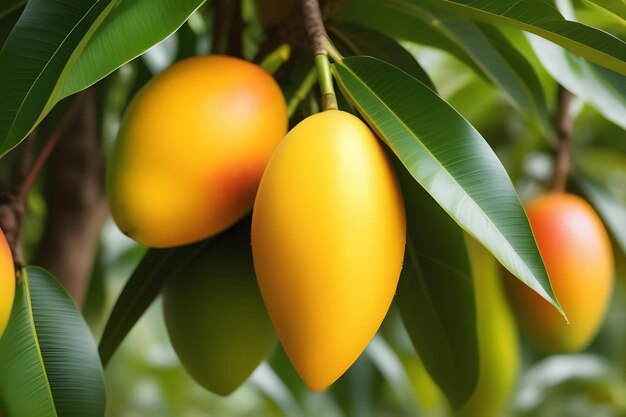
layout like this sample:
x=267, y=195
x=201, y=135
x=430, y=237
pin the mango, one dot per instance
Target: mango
x=215, y=316
x=577, y=253
x=328, y=237
x=7, y=282
x=192, y=148
x=498, y=343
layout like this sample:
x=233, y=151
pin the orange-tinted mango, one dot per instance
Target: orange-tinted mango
x=577, y=253
x=328, y=236
x=192, y=149
x=7, y=282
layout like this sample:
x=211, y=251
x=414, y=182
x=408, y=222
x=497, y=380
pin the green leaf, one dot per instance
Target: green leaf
x=542, y=18
x=36, y=58
x=362, y=40
x=450, y=159
x=393, y=19
x=612, y=211
x=129, y=30
x=616, y=7
x=523, y=69
x=49, y=365
x=10, y=5
x=144, y=285
x=605, y=90
x=499, y=63
x=435, y=295
x=42, y=63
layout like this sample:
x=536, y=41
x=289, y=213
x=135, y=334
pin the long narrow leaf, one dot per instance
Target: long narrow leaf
x=362, y=40
x=603, y=89
x=543, y=19
x=497, y=63
x=435, y=295
x=450, y=159
x=129, y=30
x=43, y=44
x=49, y=365
x=616, y=7
x=142, y=288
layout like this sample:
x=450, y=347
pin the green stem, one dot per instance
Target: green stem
x=301, y=92
x=276, y=59
x=320, y=45
x=325, y=76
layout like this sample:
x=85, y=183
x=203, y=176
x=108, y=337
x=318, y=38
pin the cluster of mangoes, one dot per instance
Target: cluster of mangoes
x=328, y=227
x=204, y=143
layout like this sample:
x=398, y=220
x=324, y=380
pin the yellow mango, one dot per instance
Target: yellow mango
x=576, y=250
x=7, y=282
x=498, y=342
x=328, y=236
x=192, y=149
x=215, y=316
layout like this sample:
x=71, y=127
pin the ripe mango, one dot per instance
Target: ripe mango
x=328, y=237
x=7, y=282
x=498, y=343
x=192, y=148
x=576, y=250
x=215, y=316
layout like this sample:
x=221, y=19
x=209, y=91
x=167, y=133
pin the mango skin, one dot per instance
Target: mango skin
x=215, y=316
x=576, y=250
x=192, y=149
x=328, y=237
x=498, y=341
x=7, y=283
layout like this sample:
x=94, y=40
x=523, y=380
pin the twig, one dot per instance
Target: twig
x=13, y=204
x=314, y=26
x=43, y=156
x=320, y=43
x=564, y=128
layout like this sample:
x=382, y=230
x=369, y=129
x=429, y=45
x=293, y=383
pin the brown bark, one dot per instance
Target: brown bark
x=564, y=128
x=76, y=202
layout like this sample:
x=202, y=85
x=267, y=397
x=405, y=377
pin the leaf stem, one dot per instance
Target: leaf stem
x=564, y=128
x=272, y=62
x=305, y=86
x=320, y=44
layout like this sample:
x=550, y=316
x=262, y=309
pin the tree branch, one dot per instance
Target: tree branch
x=77, y=206
x=564, y=128
x=36, y=167
x=13, y=203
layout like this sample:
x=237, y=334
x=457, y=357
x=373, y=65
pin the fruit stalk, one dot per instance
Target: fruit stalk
x=320, y=44
x=564, y=128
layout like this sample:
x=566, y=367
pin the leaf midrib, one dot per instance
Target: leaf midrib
x=54, y=54
x=540, y=29
x=443, y=167
x=33, y=326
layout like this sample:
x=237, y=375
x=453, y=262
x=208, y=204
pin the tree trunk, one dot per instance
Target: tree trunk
x=76, y=202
